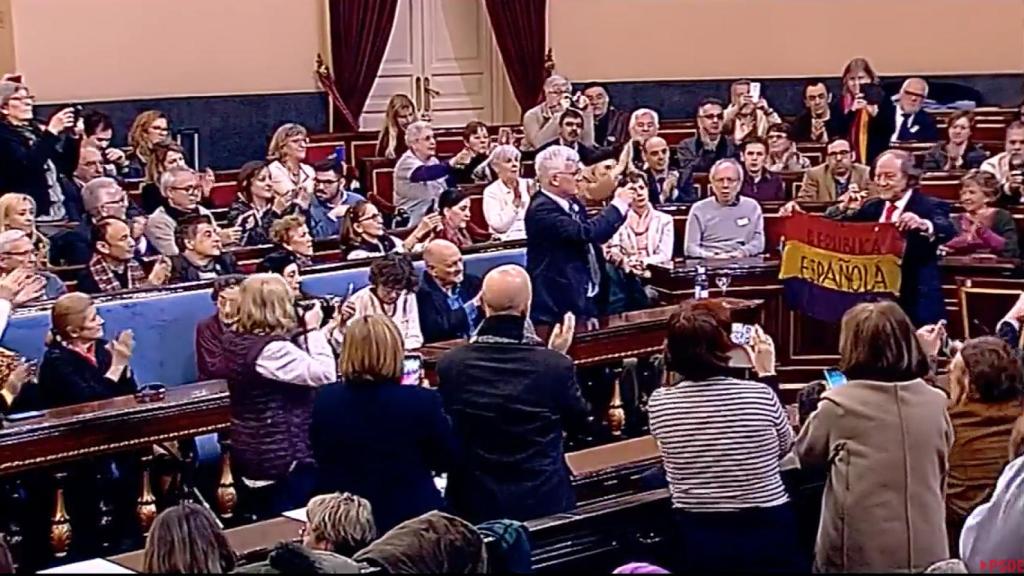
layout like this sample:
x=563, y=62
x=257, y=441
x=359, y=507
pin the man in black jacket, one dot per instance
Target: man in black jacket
x=200, y=254
x=447, y=296
x=510, y=399
x=822, y=120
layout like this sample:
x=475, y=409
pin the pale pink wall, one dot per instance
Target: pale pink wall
x=6, y=38
x=81, y=50
x=668, y=39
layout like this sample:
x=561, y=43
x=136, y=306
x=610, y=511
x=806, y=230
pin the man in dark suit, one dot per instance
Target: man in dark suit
x=910, y=122
x=563, y=246
x=822, y=120
x=924, y=220
x=570, y=131
x=447, y=296
x=510, y=399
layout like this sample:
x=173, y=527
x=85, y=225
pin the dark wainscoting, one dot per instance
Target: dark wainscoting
x=231, y=130
x=677, y=99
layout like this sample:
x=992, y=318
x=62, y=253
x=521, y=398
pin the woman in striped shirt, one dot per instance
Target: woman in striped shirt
x=721, y=439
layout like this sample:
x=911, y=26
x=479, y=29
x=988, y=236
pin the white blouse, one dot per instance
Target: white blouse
x=406, y=316
x=282, y=181
x=503, y=219
x=660, y=236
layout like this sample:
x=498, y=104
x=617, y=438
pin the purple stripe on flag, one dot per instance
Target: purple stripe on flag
x=823, y=303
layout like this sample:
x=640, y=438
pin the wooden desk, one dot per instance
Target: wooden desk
x=119, y=424
x=612, y=503
x=616, y=337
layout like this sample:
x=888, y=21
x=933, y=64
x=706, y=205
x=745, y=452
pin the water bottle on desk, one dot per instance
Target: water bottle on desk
x=700, y=283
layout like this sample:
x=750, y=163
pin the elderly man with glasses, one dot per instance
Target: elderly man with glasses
x=181, y=191
x=912, y=123
x=727, y=224
x=541, y=122
x=699, y=153
x=101, y=197
x=17, y=252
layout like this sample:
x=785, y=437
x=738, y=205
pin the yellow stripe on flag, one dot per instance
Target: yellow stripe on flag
x=857, y=274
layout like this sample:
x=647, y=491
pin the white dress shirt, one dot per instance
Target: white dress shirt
x=286, y=362
x=901, y=205
x=504, y=220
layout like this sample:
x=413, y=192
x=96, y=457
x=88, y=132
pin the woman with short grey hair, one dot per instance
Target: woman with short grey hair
x=31, y=159
x=419, y=176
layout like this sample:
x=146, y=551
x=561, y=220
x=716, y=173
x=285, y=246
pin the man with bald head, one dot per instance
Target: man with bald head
x=447, y=296
x=510, y=399
x=912, y=123
x=663, y=183
x=925, y=222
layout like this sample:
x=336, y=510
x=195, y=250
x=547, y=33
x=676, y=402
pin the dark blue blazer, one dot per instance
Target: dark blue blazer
x=556, y=256
x=684, y=192
x=922, y=128
x=438, y=321
x=382, y=441
x=921, y=287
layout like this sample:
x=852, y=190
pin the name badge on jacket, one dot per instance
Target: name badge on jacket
x=742, y=221
x=914, y=128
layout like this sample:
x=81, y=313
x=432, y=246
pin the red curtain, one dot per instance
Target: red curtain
x=520, y=32
x=360, y=31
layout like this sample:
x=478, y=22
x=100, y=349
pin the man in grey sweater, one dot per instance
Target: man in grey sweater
x=541, y=122
x=725, y=225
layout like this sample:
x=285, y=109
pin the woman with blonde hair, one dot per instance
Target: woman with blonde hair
x=290, y=176
x=884, y=506
x=185, y=539
x=377, y=433
x=147, y=129
x=401, y=112
x=18, y=212
x=272, y=375
x=79, y=365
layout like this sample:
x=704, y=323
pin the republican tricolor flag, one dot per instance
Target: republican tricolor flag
x=829, y=266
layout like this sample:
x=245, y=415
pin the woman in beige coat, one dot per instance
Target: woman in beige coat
x=884, y=437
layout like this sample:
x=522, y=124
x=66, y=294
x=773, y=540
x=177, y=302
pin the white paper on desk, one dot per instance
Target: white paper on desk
x=297, y=514
x=94, y=566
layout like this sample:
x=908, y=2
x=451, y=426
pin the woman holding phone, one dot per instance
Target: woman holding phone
x=870, y=113
x=884, y=506
x=728, y=500
x=373, y=436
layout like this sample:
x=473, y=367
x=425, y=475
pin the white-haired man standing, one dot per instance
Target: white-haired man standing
x=726, y=224
x=563, y=245
x=540, y=123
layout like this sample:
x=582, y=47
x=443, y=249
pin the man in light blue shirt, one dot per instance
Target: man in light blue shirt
x=325, y=210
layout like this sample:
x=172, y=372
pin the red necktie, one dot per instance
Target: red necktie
x=890, y=211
